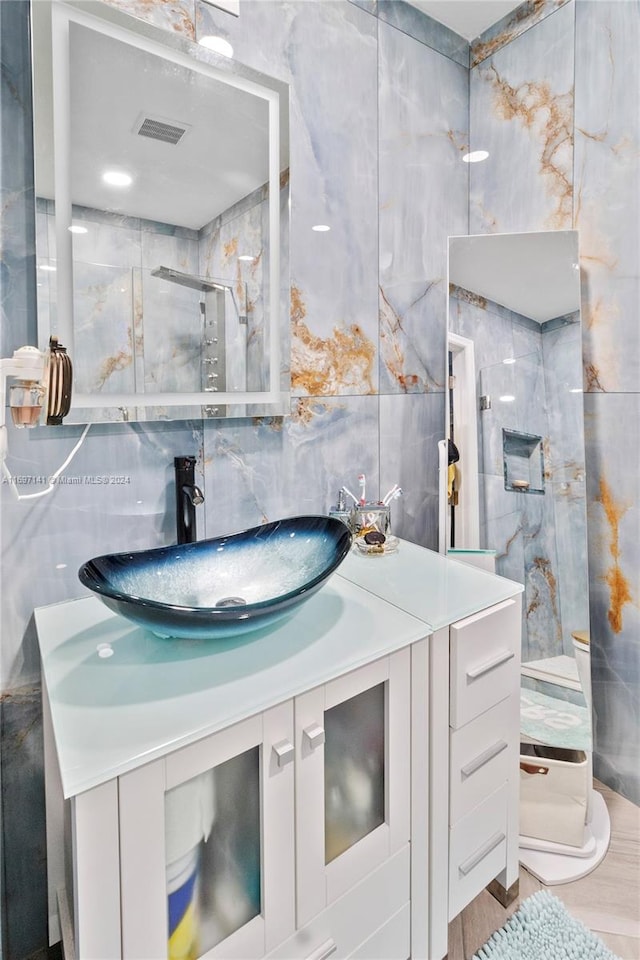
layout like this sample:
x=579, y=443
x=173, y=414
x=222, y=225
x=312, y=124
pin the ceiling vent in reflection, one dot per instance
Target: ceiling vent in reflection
x=159, y=128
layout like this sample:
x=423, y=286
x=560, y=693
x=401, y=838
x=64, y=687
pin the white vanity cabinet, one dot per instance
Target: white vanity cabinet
x=342, y=749
x=315, y=780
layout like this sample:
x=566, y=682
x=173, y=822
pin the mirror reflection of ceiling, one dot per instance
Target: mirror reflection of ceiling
x=114, y=88
x=535, y=274
x=467, y=18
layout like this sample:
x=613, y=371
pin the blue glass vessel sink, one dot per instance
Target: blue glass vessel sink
x=225, y=586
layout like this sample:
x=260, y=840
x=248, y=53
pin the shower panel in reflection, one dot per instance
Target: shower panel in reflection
x=221, y=350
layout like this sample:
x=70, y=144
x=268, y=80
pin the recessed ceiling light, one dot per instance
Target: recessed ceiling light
x=509, y=360
x=246, y=256
x=476, y=156
x=47, y=266
x=74, y=228
x=576, y=390
x=117, y=178
x=507, y=398
x=321, y=228
x=217, y=44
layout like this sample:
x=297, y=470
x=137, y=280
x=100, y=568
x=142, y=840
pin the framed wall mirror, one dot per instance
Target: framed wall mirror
x=161, y=172
x=515, y=415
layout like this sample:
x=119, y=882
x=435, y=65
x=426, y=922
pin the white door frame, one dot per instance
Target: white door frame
x=465, y=415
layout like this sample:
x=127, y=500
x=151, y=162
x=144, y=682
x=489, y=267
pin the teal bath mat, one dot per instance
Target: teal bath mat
x=541, y=929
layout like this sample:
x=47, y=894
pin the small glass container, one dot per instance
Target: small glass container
x=25, y=400
x=370, y=517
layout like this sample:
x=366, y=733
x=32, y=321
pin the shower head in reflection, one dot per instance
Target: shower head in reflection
x=203, y=284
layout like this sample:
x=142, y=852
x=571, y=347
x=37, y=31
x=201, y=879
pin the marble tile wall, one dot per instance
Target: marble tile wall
x=349, y=413
x=553, y=103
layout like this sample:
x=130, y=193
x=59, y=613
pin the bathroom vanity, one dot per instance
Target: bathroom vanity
x=359, y=763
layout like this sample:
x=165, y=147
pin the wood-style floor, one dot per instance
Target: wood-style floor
x=607, y=900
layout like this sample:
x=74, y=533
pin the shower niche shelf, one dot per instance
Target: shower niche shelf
x=523, y=462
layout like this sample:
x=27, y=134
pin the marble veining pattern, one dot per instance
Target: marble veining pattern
x=334, y=274
x=510, y=26
x=607, y=208
x=606, y=128
x=423, y=134
x=522, y=114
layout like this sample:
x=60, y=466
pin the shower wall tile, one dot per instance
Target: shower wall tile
x=413, y=22
x=410, y=428
x=522, y=114
x=607, y=207
x=263, y=469
x=323, y=50
x=541, y=577
x=570, y=517
x=612, y=428
x=511, y=26
x=423, y=134
x=564, y=454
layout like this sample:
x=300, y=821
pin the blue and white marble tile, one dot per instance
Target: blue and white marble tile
x=117, y=494
x=412, y=21
x=522, y=114
x=607, y=197
x=423, y=184
x=570, y=517
x=512, y=25
x=334, y=274
x=612, y=429
x=410, y=428
x=562, y=350
x=261, y=470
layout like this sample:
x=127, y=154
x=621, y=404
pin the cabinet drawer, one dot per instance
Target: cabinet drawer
x=477, y=850
x=342, y=928
x=485, y=660
x=480, y=758
x=391, y=942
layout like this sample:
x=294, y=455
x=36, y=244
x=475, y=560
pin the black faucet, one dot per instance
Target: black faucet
x=188, y=496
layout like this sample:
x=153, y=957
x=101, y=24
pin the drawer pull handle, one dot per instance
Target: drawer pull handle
x=314, y=736
x=325, y=950
x=483, y=758
x=284, y=752
x=484, y=851
x=533, y=768
x=490, y=665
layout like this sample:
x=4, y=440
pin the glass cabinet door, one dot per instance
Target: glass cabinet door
x=212, y=855
x=354, y=751
x=207, y=863
x=352, y=779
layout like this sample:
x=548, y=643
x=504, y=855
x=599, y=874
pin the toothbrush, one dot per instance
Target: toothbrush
x=387, y=499
x=362, y=481
x=349, y=494
x=397, y=493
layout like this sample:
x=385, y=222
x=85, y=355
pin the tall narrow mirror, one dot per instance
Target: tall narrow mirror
x=160, y=171
x=515, y=416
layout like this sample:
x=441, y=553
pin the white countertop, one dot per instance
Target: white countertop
x=152, y=695
x=427, y=585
